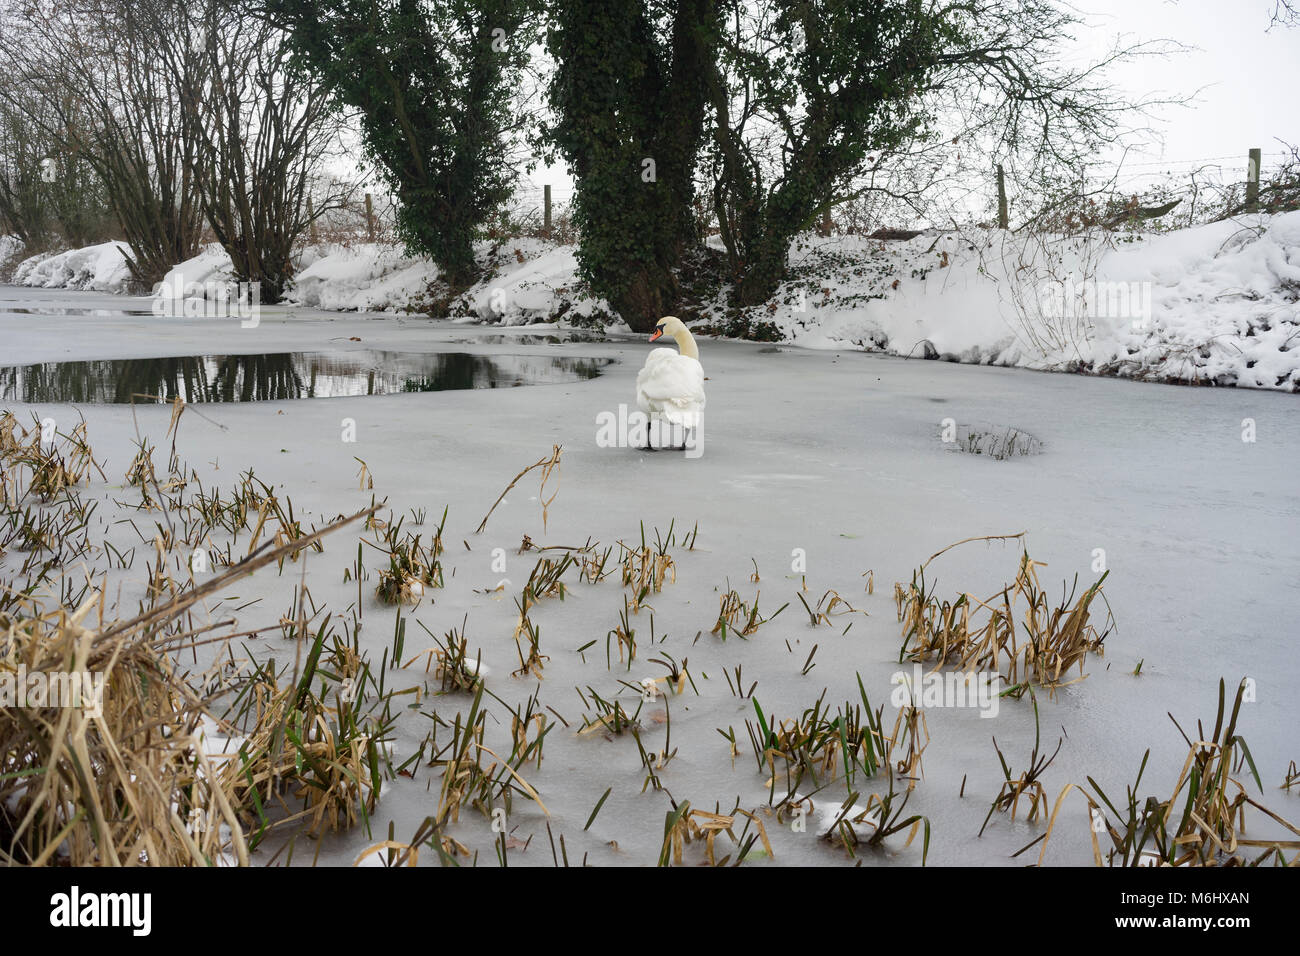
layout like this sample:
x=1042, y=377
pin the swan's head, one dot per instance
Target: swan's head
x=669, y=325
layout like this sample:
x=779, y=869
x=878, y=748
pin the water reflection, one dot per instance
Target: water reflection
x=283, y=375
x=64, y=310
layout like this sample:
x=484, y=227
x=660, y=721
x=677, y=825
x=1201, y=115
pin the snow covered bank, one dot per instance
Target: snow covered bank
x=368, y=277
x=209, y=266
x=527, y=281
x=99, y=268
x=1215, y=304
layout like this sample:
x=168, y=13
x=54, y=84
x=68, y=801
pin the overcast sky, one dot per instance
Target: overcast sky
x=1251, y=78
x=1248, y=79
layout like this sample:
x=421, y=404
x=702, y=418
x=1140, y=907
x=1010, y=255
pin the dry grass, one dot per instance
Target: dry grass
x=595, y=565
x=130, y=777
x=1051, y=639
x=467, y=780
x=455, y=668
x=825, y=609
x=996, y=443
x=851, y=742
x=1202, y=822
x=544, y=581
x=547, y=465
x=845, y=747
x=325, y=750
x=685, y=825
x=622, y=635
x=609, y=715
x=645, y=570
x=123, y=784
x=1027, y=785
x=413, y=569
x=737, y=617
x=131, y=783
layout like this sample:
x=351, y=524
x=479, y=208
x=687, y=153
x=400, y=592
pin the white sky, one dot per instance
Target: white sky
x=1249, y=79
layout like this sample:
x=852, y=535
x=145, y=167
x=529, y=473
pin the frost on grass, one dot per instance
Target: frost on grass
x=993, y=441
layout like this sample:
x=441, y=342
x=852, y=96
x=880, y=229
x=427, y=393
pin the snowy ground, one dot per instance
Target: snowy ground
x=834, y=452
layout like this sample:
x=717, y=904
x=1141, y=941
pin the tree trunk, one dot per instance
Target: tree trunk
x=763, y=271
x=650, y=293
x=634, y=172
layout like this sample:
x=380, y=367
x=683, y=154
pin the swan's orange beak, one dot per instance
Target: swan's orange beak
x=658, y=334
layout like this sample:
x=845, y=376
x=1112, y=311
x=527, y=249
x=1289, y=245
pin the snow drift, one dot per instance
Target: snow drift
x=99, y=268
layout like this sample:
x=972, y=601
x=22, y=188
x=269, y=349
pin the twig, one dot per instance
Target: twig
x=982, y=537
x=548, y=464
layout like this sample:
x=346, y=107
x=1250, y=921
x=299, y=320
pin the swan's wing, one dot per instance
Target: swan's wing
x=672, y=378
x=654, y=363
x=649, y=381
x=672, y=385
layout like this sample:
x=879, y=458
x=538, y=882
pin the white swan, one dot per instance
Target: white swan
x=671, y=385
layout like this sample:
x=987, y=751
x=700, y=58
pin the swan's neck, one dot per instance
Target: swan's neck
x=686, y=344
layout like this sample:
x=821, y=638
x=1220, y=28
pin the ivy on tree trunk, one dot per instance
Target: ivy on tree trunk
x=433, y=83
x=829, y=81
x=630, y=93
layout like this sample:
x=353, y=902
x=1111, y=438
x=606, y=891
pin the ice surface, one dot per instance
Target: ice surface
x=833, y=452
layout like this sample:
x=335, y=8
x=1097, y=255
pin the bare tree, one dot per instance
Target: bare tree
x=816, y=102
x=25, y=209
x=1285, y=13
x=48, y=195
x=264, y=132
x=92, y=67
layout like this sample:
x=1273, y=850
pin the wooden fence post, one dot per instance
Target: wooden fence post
x=311, y=220
x=546, y=211
x=1003, y=222
x=827, y=224
x=370, y=218
x=1252, y=180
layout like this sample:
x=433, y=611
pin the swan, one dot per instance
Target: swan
x=671, y=384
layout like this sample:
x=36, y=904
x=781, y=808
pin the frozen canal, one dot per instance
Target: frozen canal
x=836, y=457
